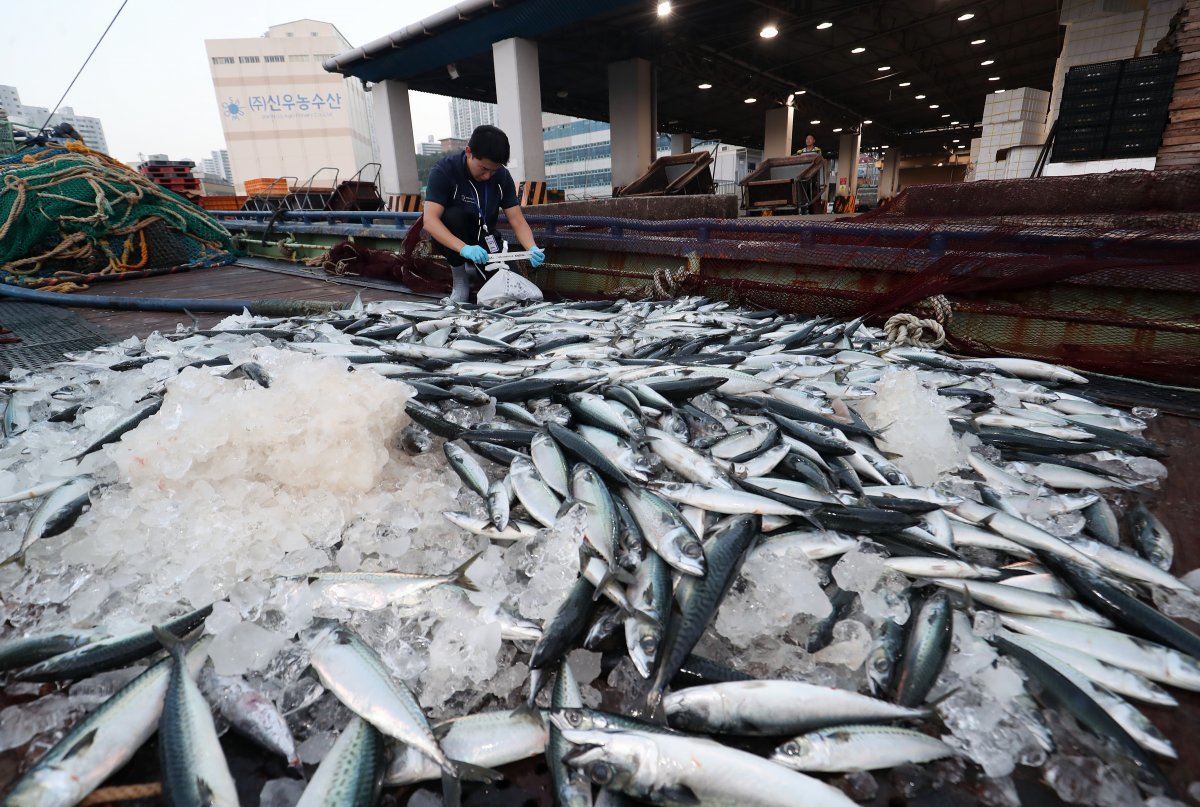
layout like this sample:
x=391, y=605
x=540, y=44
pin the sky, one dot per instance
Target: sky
x=149, y=81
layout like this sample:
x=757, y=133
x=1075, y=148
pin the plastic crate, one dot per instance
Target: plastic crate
x=1076, y=120
x=1104, y=89
x=1075, y=134
x=7, y=146
x=1095, y=72
x=1078, y=150
x=1122, y=147
x=1144, y=97
x=1137, y=128
x=1157, y=65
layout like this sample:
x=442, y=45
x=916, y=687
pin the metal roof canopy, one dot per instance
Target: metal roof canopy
x=921, y=42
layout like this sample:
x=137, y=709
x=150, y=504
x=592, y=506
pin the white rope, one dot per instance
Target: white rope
x=906, y=329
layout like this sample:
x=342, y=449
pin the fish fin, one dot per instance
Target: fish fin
x=565, y=507
x=204, y=791
x=678, y=794
x=168, y=640
x=458, y=577
x=451, y=786
x=577, y=751
x=476, y=773
x=524, y=710
x=82, y=744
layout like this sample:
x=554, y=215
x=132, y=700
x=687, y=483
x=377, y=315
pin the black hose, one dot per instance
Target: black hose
x=266, y=308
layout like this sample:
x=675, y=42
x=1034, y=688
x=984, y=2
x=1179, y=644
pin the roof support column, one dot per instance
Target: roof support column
x=777, y=141
x=631, y=115
x=681, y=143
x=847, y=163
x=889, y=175
x=393, y=127
x=519, y=106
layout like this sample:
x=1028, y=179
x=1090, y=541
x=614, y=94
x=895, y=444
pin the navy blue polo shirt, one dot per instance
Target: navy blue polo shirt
x=450, y=185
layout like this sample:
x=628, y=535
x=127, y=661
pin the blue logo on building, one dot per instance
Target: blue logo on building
x=233, y=108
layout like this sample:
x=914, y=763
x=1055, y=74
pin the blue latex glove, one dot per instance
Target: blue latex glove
x=474, y=253
x=536, y=256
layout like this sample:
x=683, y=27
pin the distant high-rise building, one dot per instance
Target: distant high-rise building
x=430, y=146
x=283, y=115
x=465, y=115
x=89, y=128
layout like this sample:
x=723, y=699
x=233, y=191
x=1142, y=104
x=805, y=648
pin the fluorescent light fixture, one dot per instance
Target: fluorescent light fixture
x=769, y=31
x=883, y=147
x=946, y=115
x=751, y=100
x=933, y=106
x=978, y=41
x=999, y=91
x=919, y=97
x=965, y=17
x=664, y=9
x=824, y=25
x=986, y=62
x=814, y=122
x=799, y=92
x=859, y=49
x=993, y=78
x=838, y=129
x=704, y=86
x=905, y=83
x=883, y=69
x=953, y=123
x=867, y=121
x=955, y=140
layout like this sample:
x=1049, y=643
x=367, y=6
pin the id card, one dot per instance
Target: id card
x=490, y=240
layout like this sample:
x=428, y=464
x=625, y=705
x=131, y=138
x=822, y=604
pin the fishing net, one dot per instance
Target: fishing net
x=70, y=216
x=1096, y=271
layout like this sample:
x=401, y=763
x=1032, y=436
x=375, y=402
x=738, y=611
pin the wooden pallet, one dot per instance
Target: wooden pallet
x=1181, y=139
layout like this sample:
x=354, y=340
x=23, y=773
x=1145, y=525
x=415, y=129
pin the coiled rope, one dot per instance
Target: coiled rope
x=909, y=329
x=664, y=284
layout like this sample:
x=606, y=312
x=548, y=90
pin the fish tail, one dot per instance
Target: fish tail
x=451, y=785
x=459, y=578
x=173, y=644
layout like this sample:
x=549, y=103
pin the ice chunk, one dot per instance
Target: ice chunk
x=1089, y=780
x=281, y=793
x=915, y=425
x=775, y=587
x=851, y=643
x=245, y=647
x=859, y=569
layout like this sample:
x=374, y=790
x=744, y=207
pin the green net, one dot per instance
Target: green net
x=70, y=216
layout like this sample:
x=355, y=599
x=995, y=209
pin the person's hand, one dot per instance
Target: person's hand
x=536, y=256
x=474, y=253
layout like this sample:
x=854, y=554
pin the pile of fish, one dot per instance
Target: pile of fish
x=780, y=552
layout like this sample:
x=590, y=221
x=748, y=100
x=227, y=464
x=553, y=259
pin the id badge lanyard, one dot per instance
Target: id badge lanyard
x=489, y=239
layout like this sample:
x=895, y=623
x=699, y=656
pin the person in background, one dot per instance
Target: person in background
x=464, y=197
x=810, y=145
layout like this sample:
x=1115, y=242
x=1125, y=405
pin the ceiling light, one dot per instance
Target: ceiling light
x=978, y=41
x=883, y=147
x=814, y=122
x=946, y=115
x=955, y=140
x=799, y=92
x=824, y=25
x=939, y=165
x=768, y=31
x=751, y=100
x=859, y=49
x=905, y=83
x=867, y=121
x=999, y=91
x=664, y=9
x=953, y=123
x=986, y=62
x=705, y=86
x=993, y=78
x=838, y=129
x=965, y=17
x=919, y=97
x=883, y=69
x=933, y=106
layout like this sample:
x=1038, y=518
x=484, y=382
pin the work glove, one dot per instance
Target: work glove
x=474, y=253
x=536, y=256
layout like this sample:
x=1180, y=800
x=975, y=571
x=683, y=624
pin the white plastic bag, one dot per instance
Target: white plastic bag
x=507, y=286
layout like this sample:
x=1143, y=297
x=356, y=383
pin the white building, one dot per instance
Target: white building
x=466, y=115
x=430, y=146
x=283, y=115
x=34, y=117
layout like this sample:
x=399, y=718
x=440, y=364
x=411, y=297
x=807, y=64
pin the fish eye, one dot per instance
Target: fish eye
x=792, y=749
x=649, y=645
x=574, y=717
x=601, y=773
x=692, y=550
x=881, y=664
